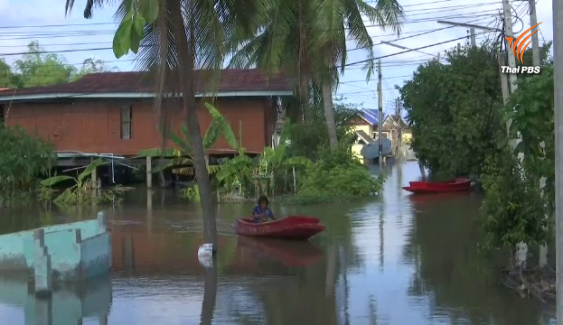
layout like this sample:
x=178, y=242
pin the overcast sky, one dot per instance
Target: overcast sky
x=46, y=23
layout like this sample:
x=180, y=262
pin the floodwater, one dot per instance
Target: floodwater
x=393, y=260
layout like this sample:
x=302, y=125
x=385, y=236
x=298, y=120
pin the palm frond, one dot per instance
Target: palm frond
x=90, y=6
x=386, y=13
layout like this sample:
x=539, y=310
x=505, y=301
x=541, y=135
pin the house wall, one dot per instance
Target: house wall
x=357, y=124
x=95, y=125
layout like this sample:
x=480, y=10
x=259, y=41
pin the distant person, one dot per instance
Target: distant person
x=261, y=212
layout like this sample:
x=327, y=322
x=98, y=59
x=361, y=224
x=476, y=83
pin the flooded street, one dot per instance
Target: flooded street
x=393, y=260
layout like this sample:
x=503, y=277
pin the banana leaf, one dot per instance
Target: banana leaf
x=234, y=167
x=223, y=126
x=90, y=169
x=56, y=179
x=298, y=161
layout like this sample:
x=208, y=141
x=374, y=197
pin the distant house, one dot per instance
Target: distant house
x=365, y=125
x=112, y=112
x=390, y=127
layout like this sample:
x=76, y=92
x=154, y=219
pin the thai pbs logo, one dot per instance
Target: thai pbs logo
x=518, y=46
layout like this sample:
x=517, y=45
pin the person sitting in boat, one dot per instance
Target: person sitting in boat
x=262, y=212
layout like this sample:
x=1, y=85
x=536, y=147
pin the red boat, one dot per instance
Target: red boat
x=457, y=185
x=292, y=227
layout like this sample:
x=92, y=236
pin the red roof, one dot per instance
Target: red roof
x=231, y=80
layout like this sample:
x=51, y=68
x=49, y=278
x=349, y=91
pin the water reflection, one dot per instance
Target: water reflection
x=209, y=295
x=396, y=259
x=70, y=304
x=463, y=284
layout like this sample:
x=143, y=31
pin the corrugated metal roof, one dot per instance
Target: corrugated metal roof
x=230, y=80
x=371, y=115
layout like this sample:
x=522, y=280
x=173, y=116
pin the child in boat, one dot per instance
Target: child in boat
x=261, y=212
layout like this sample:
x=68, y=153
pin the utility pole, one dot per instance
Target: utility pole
x=380, y=113
x=473, y=39
x=558, y=108
x=536, y=61
x=535, y=37
x=503, y=78
x=508, y=32
x=399, y=126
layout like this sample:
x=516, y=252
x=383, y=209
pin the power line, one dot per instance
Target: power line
x=414, y=21
x=368, y=2
x=107, y=42
x=100, y=49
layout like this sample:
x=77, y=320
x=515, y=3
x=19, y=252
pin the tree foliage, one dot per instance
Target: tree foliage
x=89, y=65
x=38, y=68
x=453, y=111
x=514, y=209
x=308, y=39
x=7, y=77
x=530, y=109
x=307, y=137
x=23, y=159
x=337, y=176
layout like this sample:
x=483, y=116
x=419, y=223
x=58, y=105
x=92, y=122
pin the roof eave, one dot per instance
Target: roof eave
x=140, y=95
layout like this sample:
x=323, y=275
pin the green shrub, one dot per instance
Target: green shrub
x=22, y=159
x=337, y=176
x=513, y=210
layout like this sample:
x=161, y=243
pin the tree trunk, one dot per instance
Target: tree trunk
x=303, y=85
x=329, y=113
x=186, y=61
x=303, y=90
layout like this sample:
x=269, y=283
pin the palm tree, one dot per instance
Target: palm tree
x=308, y=38
x=173, y=37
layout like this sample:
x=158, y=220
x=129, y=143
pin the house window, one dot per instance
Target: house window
x=126, y=118
x=2, y=118
x=384, y=135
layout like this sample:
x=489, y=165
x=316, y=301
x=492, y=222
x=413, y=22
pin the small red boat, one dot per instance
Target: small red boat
x=457, y=185
x=292, y=227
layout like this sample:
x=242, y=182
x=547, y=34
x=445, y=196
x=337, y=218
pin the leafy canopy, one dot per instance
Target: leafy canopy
x=337, y=176
x=23, y=159
x=453, y=110
x=37, y=68
x=305, y=138
x=514, y=210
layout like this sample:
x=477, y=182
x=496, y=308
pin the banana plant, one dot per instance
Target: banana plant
x=219, y=126
x=243, y=166
x=80, y=192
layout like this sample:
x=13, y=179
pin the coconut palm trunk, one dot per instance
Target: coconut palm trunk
x=329, y=113
x=186, y=60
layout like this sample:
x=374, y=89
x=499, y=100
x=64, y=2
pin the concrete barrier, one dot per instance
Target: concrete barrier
x=73, y=251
